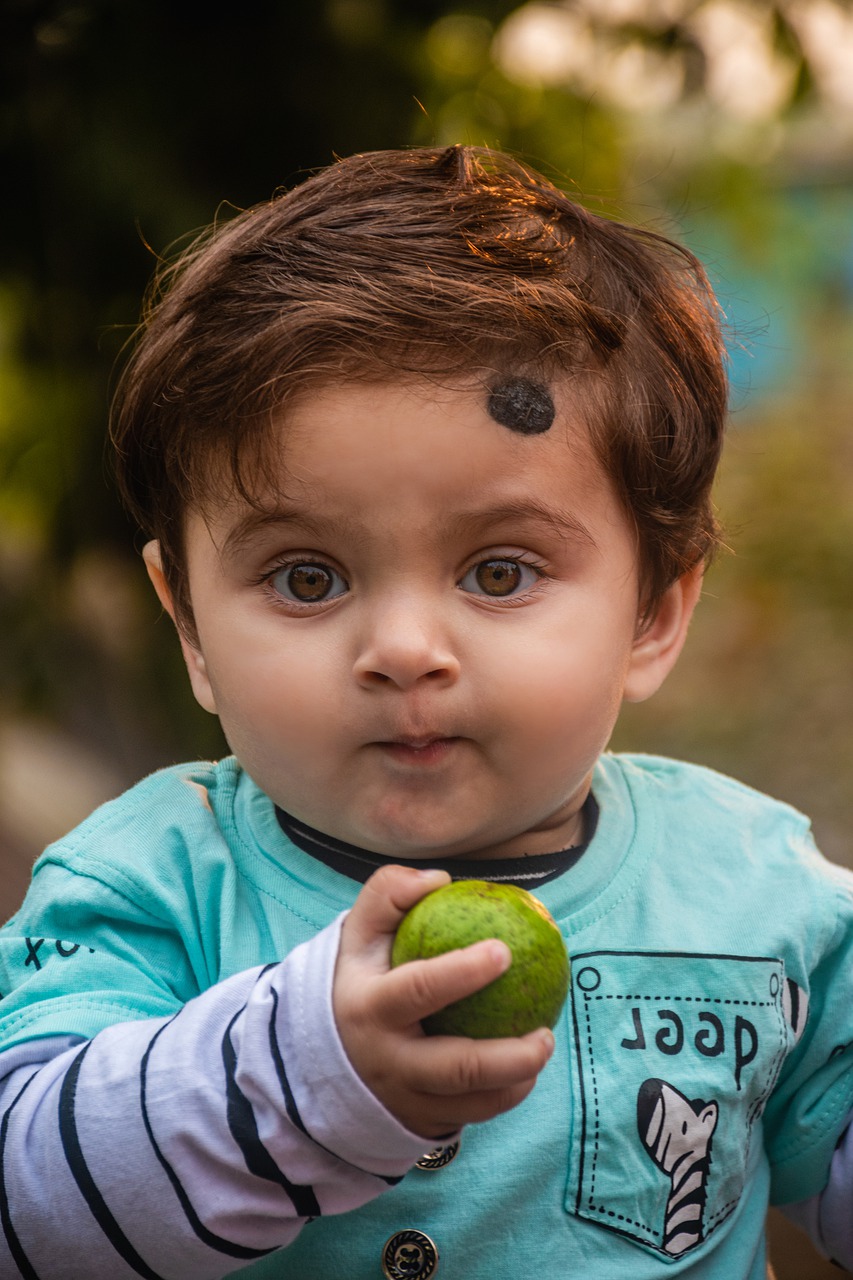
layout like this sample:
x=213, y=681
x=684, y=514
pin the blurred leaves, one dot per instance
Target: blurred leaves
x=765, y=688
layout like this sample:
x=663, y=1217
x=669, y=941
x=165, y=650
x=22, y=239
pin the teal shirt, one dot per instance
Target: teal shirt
x=704, y=1061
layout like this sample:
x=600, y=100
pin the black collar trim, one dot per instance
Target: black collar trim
x=359, y=864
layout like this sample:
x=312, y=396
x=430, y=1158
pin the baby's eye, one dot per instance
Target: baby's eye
x=308, y=583
x=499, y=577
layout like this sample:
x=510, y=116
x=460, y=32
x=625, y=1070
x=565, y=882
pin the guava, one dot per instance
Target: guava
x=529, y=994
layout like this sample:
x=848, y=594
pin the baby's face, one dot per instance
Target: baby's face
x=423, y=647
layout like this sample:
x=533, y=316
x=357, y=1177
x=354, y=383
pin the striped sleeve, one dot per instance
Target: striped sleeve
x=189, y=1146
x=827, y=1219
x=836, y=1204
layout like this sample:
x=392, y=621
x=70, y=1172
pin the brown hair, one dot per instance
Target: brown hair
x=437, y=262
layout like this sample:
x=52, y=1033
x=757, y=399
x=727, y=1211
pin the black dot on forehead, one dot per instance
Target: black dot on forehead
x=522, y=405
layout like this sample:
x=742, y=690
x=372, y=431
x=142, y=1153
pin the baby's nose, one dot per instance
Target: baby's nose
x=406, y=644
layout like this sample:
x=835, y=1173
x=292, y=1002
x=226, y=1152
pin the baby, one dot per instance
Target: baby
x=424, y=453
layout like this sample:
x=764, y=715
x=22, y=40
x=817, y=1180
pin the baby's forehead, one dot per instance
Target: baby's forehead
x=256, y=467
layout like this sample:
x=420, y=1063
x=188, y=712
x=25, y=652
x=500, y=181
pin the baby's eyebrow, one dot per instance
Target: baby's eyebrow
x=256, y=523
x=527, y=513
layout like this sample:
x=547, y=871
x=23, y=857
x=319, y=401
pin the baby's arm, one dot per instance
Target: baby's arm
x=188, y=1146
x=836, y=1204
x=828, y=1218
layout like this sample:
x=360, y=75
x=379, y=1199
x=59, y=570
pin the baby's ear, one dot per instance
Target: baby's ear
x=154, y=565
x=193, y=656
x=658, y=645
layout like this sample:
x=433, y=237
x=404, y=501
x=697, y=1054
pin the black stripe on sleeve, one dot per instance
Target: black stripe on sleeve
x=290, y=1101
x=82, y=1176
x=206, y=1236
x=244, y=1128
x=275, y=1050
x=15, y=1247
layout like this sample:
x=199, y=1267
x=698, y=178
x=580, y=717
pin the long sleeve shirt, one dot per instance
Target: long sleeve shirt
x=176, y=1102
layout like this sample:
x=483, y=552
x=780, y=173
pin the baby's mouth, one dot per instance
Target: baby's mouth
x=421, y=750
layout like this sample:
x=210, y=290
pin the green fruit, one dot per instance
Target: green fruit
x=532, y=991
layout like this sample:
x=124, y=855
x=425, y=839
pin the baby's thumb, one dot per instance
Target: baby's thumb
x=380, y=906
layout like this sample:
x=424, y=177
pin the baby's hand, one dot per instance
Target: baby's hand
x=432, y=1084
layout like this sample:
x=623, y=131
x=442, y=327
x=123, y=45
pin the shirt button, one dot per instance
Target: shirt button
x=439, y=1157
x=409, y=1255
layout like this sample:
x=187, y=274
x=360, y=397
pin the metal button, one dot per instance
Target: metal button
x=439, y=1157
x=409, y=1255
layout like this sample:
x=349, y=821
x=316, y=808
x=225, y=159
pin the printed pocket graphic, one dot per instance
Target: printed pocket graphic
x=676, y=1056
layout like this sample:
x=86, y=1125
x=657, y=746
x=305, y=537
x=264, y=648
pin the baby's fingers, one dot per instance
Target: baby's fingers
x=452, y=1082
x=453, y=1066
x=418, y=988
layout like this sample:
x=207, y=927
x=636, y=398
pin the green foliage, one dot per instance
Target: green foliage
x=764, y=688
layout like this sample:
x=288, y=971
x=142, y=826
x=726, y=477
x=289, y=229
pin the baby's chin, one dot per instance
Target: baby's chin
x=420, y=828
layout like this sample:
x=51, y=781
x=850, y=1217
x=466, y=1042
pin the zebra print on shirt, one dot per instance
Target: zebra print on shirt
x=676, y=1134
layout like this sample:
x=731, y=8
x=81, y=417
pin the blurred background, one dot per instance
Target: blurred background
x=126, y=124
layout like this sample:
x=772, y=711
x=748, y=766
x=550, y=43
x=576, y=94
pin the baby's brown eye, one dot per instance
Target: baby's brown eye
x=498, y=577
x=308, y=583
